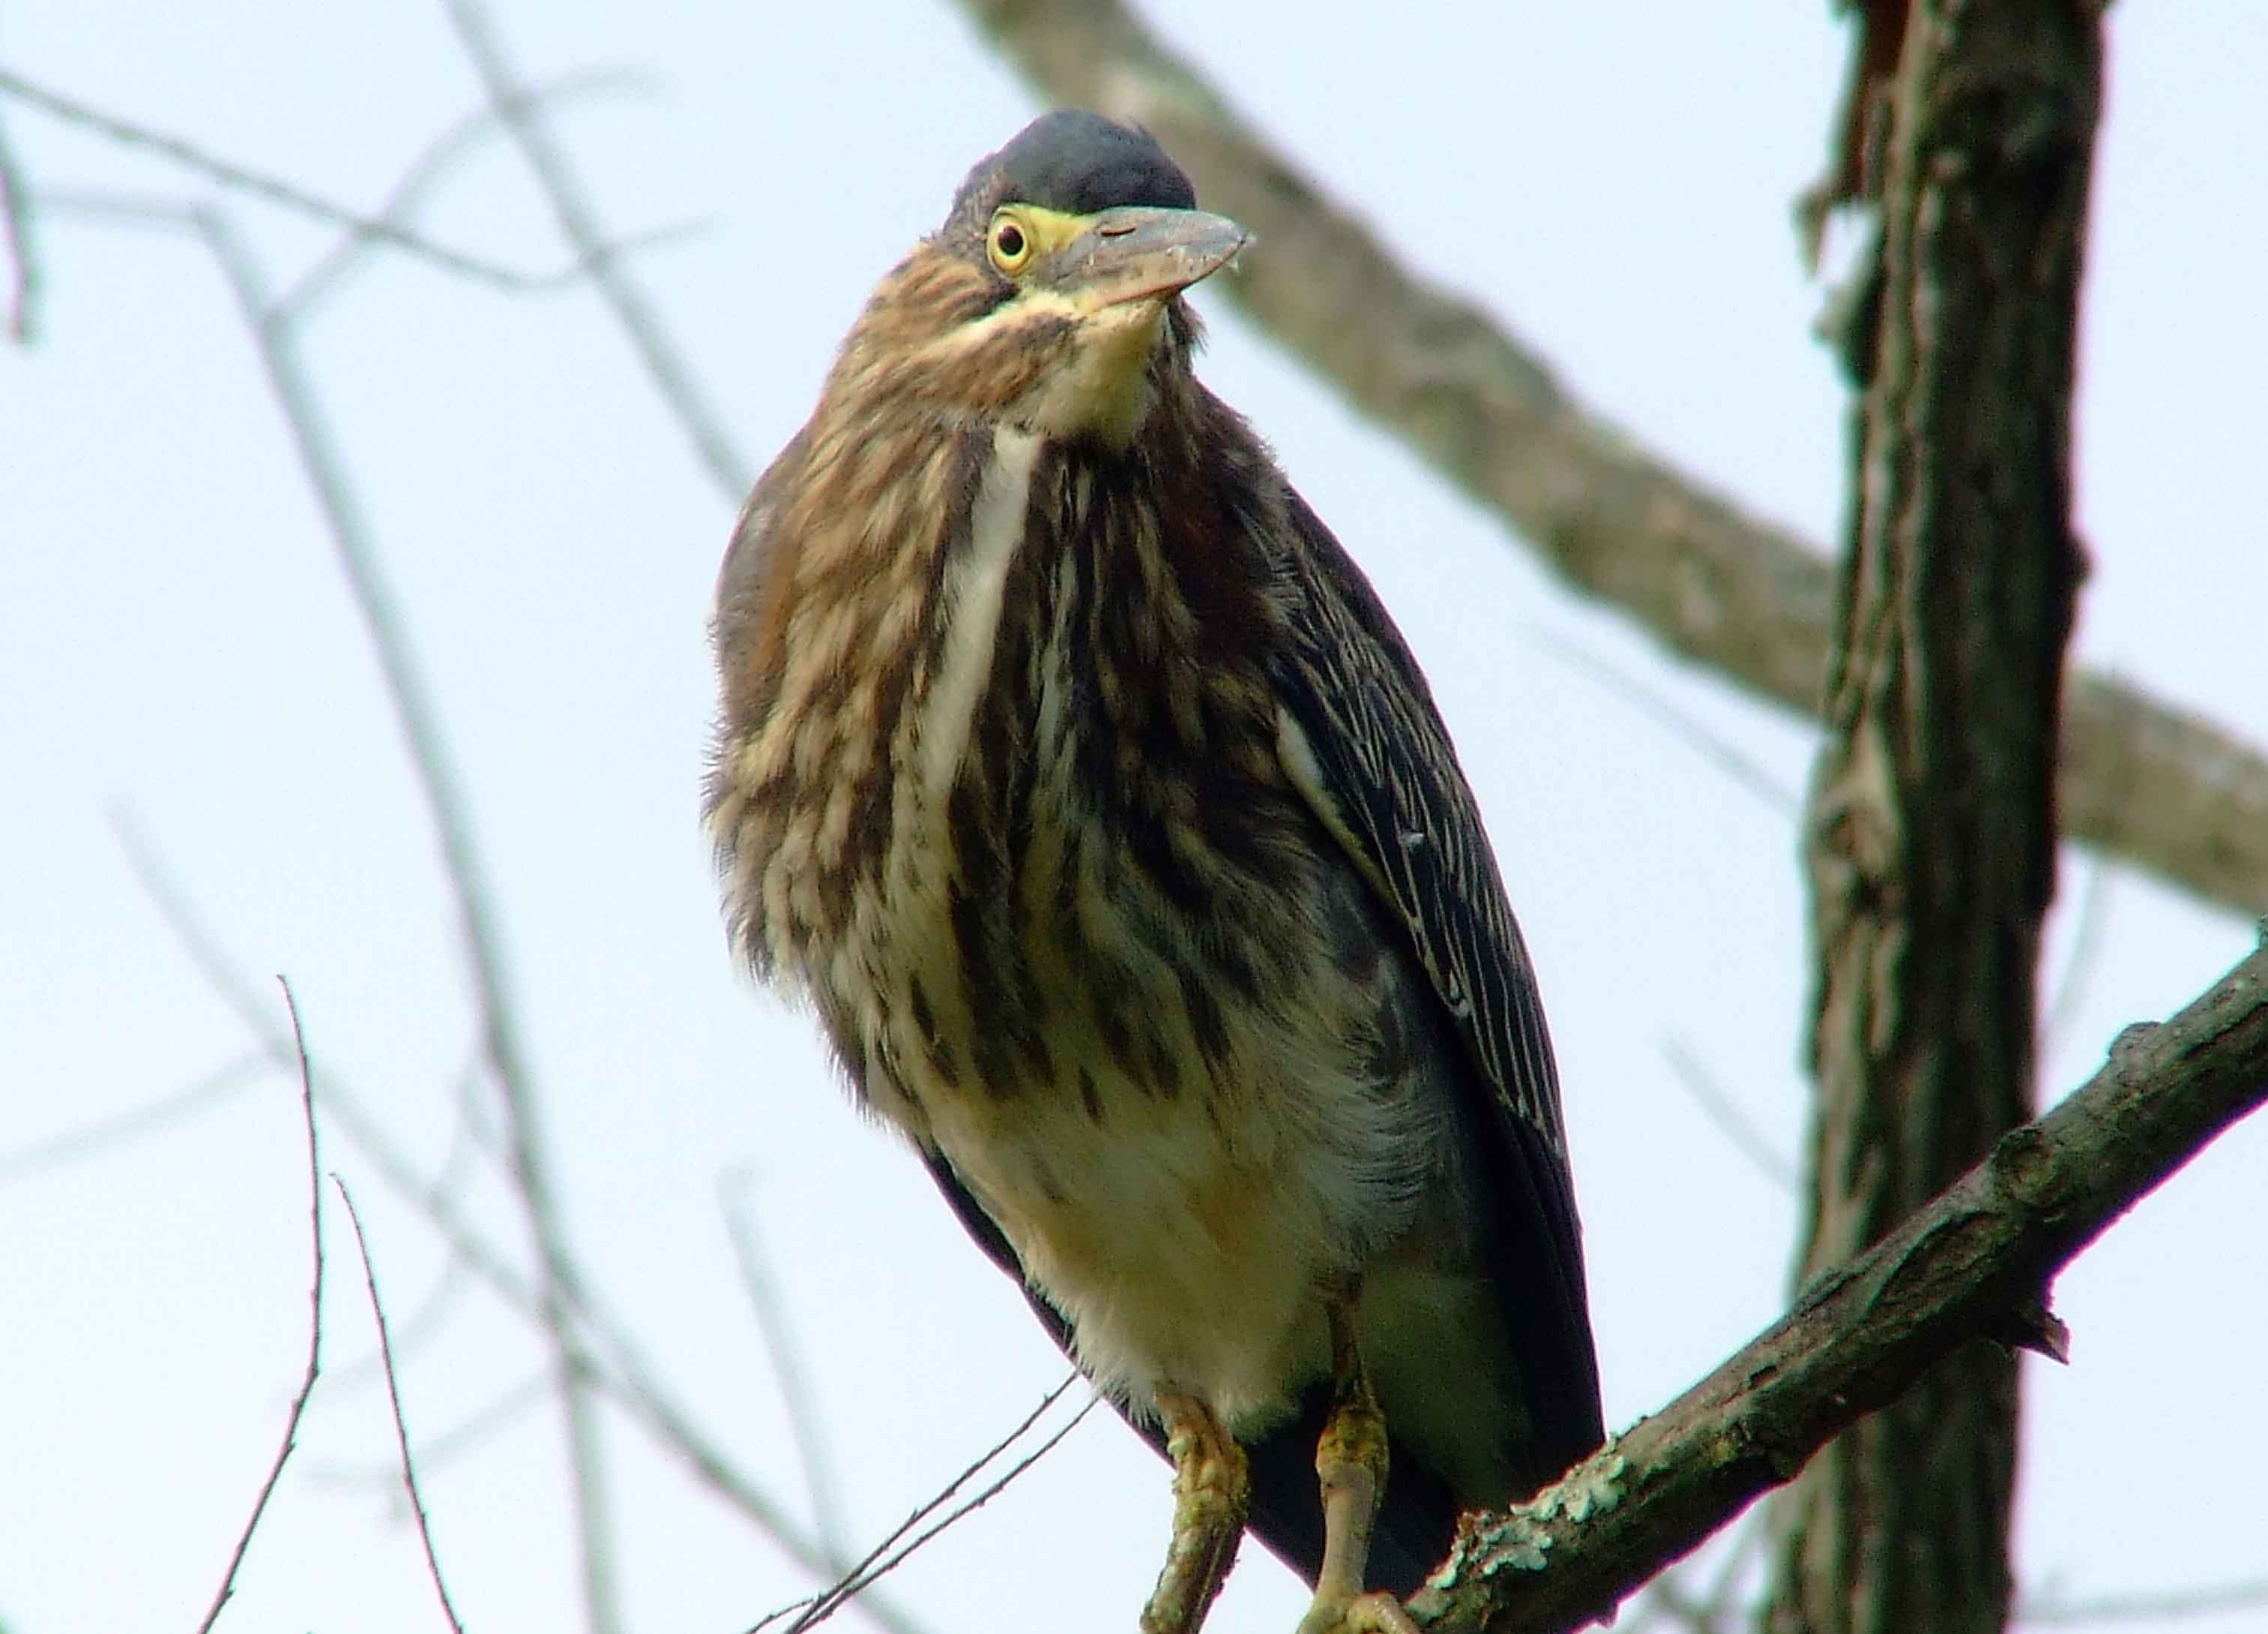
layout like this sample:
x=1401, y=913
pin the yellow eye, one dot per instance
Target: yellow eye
x=1011, y=244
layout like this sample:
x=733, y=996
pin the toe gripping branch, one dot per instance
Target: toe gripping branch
x=1212, y=1493
x=1351, y=1466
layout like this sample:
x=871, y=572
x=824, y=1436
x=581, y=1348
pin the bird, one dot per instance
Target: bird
x=1074, y=774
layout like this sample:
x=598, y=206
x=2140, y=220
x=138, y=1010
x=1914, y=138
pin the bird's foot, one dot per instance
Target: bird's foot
x=1350, y=1463
x=1213, y=1493
x=1378, y=1612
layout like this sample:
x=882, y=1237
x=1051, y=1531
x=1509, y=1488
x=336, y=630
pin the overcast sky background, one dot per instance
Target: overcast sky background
x=175, y=641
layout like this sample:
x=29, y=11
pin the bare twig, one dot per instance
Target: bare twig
x=424, y=176
x=1731, y=1122
x=16, y=239
x=465, y=871
x=2093, y=917
x=432, y=1312
x=806, y=1422
x=883, y=1557
x=2148, y=782
x=1742, y=769
x=841, y=1596
x=458, y=1440
x=272, y=189
x=620, y=1370
x=93, y=1140
x=559, y=1282
x=400, y=1428
x=2153, y=1610
x=427, y=1320
x=571, y=207
x=315, y=1320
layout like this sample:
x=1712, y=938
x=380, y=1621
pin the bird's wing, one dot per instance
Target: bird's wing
x=1367, y=748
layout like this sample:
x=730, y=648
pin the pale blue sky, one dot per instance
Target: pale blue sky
x=1614, y=181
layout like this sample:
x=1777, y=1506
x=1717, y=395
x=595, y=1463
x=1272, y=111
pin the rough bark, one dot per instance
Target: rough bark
x=2149, y=783
x=1976, y=1262
x=1931, y=832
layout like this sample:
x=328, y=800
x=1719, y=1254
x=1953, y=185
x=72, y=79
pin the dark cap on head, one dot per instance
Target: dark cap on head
x=1079, y=163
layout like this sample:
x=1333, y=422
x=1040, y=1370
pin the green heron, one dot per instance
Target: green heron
x=1076, y=775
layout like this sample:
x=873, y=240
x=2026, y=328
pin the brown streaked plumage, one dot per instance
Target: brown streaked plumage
x=1075, y=774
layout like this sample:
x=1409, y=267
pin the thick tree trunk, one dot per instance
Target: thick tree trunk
x=1932, y=829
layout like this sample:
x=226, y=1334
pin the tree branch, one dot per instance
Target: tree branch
x=465, y=872
x=16, y=242
x=401, y=1425
x=617, y=1366
x=274, y=190
x=570, y=207
x=314, y=1367
x=2143, y=780
x=1956, y=1270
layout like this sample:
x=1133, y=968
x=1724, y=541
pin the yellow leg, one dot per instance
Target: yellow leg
x=1351, y=1466
x=1213, y=1493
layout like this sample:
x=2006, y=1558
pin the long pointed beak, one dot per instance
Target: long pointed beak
x=1136, y=252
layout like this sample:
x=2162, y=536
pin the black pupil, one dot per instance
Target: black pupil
x=1010, y=240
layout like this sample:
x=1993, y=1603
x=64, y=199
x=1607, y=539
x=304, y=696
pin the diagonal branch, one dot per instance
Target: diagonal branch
x=466, y=873
x=1958, y=1270
x=273, y=190
x=619, y=1369
x=807, y=1424
x=421, y=179
x=16, y=242
x=2149, y=783
x=408, y=1464
x=563, y=188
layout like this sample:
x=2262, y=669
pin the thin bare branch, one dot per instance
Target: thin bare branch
x=400, y=1428
x=424, y=176
x=1681, y=725
x=835, y=1602
x=736, y=1201
x=16, y=240
x=559, y=1283
x=167, y=1112
x=629, y=1380
x=314, y=1321
x=2154, y=1610
x=880, y=1559
x=272, y=189
x=2092, y=919
x=2148, y=782
x=465, y=871
x=1731, y=1122
x=426, y=1321
x=466, y=1436
x=570, y=205
x=432, y=1312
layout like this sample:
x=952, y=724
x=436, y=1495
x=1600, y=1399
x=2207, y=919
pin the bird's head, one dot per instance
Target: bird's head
x=1048, y=299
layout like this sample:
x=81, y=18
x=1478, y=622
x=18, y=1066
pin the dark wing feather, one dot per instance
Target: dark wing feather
x=1397, y=799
